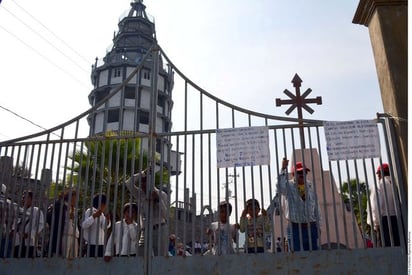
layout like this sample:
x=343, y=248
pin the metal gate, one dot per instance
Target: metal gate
x=183, y=163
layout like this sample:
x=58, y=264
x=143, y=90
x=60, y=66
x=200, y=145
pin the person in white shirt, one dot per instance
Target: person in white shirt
x=29, y=225
x=223, y=234
x=95, y=224
x=383, y=215
x=159, y=200
x=71, y=234
x=125, y=237
x=8, y=213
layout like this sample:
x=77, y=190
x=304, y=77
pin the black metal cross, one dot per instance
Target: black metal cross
x=299, y=101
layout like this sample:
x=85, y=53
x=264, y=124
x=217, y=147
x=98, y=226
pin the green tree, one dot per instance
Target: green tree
x=106, y=163
x=356, y=199
x=54, y=190
x=105, y=160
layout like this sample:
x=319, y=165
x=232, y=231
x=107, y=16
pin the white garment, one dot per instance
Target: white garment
x=8, y=214
x=223, y=235
x=94, y=228
x=72, y=229
x=159, y=215
x=70, y=241
x=32, y=223
x=388, y=209
x=125, y=238
x=70, y=246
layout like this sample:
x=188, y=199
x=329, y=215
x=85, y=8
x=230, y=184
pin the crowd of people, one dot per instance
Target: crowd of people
x=22, y=223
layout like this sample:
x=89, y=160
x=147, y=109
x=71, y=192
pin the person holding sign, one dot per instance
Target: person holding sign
x=300, y=207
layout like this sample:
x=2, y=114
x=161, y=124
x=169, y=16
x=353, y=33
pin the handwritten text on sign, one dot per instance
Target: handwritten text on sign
x=352, y=139
x=246, y=146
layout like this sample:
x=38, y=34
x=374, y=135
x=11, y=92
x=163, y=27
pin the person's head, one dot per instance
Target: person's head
x=225, y=209
x=130, y=211
x=99, y=201
x=252, y=207
x=383, y=170
x=180, y=249
x=27, y=198
x=299, y=171
x=70, y=195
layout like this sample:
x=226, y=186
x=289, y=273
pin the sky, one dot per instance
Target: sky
x=244, y=52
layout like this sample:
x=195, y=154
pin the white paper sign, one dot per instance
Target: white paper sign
x=246, y=146
x=352, y=139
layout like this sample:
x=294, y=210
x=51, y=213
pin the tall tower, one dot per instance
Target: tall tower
x=129, y=109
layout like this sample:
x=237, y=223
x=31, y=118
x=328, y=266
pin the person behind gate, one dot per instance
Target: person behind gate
x=95, y=224
x=125, y=237
x=64, y=234
x=223, y=234
x=8, y=217
x=255, y=226
x=384, y=217
x=29, y=226
x=159, y=215
x=301, y=207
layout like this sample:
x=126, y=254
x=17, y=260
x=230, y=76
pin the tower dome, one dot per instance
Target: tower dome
x=128, y=110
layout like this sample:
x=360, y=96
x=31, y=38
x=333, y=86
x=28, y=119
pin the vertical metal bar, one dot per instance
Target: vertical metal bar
x=152, y=155
x=315, y=191
x=333, y=187
x=185, y=146
x=345, y=231
x=396, y=177
x=350, y=196
x=354, y=220
x=176, y=229
x=281, y=214
x=76, y=206
x=201, y=175
x=192, y=209
x=209, y=162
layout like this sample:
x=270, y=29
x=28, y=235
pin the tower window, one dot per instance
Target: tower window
x=100, y=95
x=144, y=117
x=113, y=116
x=130, y=93
x=146, y=75
x=159, y=146
x=166, y=127
x=117, y=72
x=161, y=101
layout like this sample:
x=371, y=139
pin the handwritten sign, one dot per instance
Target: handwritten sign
x=246, y=146
x=352, y=139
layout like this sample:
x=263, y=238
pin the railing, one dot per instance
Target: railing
x=60, y=159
